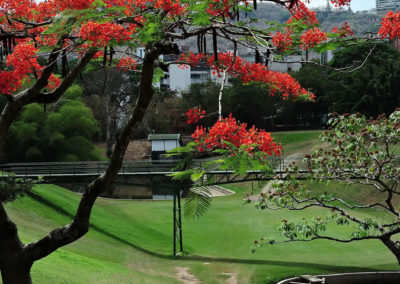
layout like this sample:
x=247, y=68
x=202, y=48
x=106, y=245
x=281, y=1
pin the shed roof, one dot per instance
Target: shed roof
x=164, y=137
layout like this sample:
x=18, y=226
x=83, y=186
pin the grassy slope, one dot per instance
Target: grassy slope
x=130, y=241
x=297, y=141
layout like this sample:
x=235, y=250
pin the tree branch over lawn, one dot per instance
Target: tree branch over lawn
x=362, y=152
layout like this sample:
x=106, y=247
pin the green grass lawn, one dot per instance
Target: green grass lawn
x=297, y=141
x=131, y=242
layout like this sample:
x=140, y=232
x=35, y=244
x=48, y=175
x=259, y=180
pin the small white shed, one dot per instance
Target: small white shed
x=161, y=143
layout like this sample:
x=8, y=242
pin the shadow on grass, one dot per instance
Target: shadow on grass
x=327, y=267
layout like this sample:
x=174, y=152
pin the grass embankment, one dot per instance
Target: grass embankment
x=131, y=241
x=299, y=142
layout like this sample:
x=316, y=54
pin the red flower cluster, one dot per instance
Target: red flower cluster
x=24, y=63
x=54, y=82
x=126, y=63
x=300, y=12
x=312, y=37
x=23, y=59
x=8, y=82
x=174, y=8
x=194, y=115
x=101, y=34
x=339, y=3
x=191, y=59
x=229, y=130
x=344, y=30
x=73, y=4
x=278, y=83
x=282, y=41
x=222, y=8
x=390, y=26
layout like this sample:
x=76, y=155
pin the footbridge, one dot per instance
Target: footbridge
x=141, y=171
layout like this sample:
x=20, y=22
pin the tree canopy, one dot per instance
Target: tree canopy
x=371, y=90
x=63, y=133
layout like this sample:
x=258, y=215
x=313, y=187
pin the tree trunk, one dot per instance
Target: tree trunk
x=16, y=274
x=110, y=138
x=8, y=114
x=109, y=125
x=14, y=267
x=393, y=246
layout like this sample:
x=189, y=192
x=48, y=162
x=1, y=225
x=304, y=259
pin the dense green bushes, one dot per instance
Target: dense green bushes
x=62, y=133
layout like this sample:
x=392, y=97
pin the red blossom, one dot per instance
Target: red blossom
x=279, y=83
x=126, y=63
x=229, y=130
x=101, y=34
x=339, y=3
x=300, y=12
x=9, y=82
x=54, y=82
x=390, y=26
x=282, y=40
x=23, y=60
x=312, y=37
x=194, y=115
x=344, y=30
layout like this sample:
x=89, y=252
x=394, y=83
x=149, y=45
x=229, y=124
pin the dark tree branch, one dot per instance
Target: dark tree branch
x=53, y=96
x=17, y=102
x=80, y=224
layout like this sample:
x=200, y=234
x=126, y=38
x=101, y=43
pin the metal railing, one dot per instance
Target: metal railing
x=89, y=168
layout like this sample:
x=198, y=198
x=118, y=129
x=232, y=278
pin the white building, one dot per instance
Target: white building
x=383, y=6
x=180, y=78
x=161, y=143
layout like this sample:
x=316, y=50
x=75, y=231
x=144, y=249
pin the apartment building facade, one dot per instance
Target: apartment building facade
x=383, y=6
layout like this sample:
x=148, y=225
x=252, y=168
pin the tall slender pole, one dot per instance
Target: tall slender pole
x=174, y=234
x=180, y=222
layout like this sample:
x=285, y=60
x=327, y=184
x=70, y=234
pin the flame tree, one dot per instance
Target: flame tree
x=104, y=30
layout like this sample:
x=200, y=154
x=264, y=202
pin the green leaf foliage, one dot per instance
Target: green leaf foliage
x=12, y=188
x=197, y=202
x=61, y=133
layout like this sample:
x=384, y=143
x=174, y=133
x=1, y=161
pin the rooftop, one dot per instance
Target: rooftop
x=164, y=137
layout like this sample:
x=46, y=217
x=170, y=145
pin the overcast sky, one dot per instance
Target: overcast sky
x=356, y=5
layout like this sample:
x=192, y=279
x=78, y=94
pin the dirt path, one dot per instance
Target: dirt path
x=183, y=274
x=268, y=189
x=232, y=278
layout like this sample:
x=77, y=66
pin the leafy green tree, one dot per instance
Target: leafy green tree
x=63, y=133
x=365, y=153
x=204, y=95
x=110, y=93
x=249, y=103
x=371, y=89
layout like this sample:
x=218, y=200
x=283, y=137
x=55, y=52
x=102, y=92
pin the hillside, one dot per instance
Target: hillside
x=360, y=22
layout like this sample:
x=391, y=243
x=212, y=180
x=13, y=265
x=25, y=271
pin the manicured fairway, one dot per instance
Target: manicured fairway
x=297, y=141
x=130, y=242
